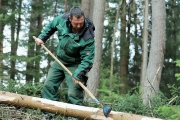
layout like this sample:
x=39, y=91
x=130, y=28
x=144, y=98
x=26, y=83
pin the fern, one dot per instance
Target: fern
x=170, y=112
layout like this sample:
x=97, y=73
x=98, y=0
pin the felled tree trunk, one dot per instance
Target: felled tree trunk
x=64, y=109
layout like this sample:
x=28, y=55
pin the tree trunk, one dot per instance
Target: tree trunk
x=13, y=43
x=124, y=51
x=136, y=40
x=64, y=109
x=88, y=7
x=32, y=67
x=98, y=19
x=1, y=41
x=156, y=57
x=3, y=20
x=65, y=5
x=113, y=45
x=144, y=45
x=37, y=52
x=174, y=35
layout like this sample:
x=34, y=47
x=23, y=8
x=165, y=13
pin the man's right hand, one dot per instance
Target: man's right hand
x=38, y=41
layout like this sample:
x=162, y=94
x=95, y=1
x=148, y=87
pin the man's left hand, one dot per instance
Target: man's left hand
x=76, y=81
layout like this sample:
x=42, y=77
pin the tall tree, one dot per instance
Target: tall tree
x=108, y=32
x=3, y=11
x=39, y=28
x=144, y=44
x=13, y=42
x=1, y=43
x=87, y=6
x=98, y=19
x=15, y=30
x=65, y=5
x=134, y=70
x=150, y=85
x=30, y=67
x=124, y=51
x=113, y=45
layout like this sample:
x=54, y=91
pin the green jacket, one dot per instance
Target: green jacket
x=73, y=48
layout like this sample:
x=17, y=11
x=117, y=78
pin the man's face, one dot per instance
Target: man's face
x=77, y=23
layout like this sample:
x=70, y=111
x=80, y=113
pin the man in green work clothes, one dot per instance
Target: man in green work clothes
x=75, y=50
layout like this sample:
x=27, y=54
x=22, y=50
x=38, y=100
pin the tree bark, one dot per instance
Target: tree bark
x=64, y=109
x=13, y=42
x=144, y=45
x=156, y=57
x=98, y=19
x=124, y=51
x=113, y=45
x=33, y=66
x=86, y=7
x=31, y=45
x=65, y=5
x=1, y=40
x=37, y=51
x=3, y=22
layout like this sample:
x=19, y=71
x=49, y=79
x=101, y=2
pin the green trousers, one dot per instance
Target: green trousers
x=56, y=75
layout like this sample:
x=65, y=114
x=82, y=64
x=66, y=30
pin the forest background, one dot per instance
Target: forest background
x=137, y=51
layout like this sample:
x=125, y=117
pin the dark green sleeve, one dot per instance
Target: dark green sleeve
x=49, y=29
x=87, y=56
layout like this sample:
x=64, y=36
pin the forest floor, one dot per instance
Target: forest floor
x=8, y=112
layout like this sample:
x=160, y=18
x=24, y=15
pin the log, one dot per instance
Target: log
x=65, y=109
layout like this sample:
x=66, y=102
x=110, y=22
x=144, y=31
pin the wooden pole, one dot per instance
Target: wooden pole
x=65, y=109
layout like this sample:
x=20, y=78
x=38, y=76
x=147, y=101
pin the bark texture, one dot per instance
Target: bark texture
x=65, y=109
x=156, y=57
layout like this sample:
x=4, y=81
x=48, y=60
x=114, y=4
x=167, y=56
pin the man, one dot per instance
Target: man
x=75, y=50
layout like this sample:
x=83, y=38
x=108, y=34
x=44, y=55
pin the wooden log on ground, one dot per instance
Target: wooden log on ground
x=65, y=109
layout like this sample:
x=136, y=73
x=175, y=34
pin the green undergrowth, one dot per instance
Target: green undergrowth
x=169, y=112
x=158, y=107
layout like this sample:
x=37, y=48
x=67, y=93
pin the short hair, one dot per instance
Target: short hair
x=76, y=11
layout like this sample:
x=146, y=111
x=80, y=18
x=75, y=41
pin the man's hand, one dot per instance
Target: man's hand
x=76, y=81
x=38, y=41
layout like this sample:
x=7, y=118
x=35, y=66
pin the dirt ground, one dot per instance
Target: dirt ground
x=8, y=112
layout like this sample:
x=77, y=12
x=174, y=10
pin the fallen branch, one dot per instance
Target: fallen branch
x=172, y=100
